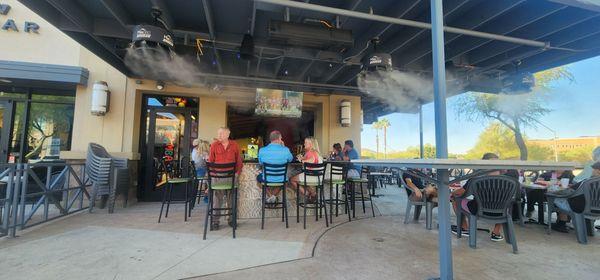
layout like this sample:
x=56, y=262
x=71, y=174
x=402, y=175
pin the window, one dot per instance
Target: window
x=41, y=122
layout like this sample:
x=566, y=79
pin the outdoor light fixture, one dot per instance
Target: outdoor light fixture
x=100, y=98
x=345, y=113
x=160, y=85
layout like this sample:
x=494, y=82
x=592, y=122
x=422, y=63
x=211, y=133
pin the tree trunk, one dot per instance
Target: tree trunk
x=377, y=142
x=385, y=142
x=520, y=141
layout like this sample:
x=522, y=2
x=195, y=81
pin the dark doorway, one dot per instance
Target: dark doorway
x=167, y=133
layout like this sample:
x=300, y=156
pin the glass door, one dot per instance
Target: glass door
x=6, y=115
x=168, y=140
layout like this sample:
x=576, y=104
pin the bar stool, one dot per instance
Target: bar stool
x=364, y=172
x=200, y=182
x=336, y=176
x=221, y=173
x=275, y=176
x=173, y=183
x=313, y=175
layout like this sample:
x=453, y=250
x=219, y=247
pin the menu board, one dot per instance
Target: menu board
x=278, y=103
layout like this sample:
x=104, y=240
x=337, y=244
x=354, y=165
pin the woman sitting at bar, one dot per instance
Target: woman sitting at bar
x=311, y=155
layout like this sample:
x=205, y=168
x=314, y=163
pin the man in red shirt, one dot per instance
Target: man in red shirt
x=223, y=150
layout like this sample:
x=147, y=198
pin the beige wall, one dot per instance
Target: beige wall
x=328, y=129
x=119, y=131
x=49, y=45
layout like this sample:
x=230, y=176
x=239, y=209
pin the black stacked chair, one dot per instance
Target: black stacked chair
x=178, y=181
x=310, y=171
x=358, y=182
x=225, y=174
x=275, y=176
x=335, y=178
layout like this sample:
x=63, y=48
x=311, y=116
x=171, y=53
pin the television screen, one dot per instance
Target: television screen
x=278, y=103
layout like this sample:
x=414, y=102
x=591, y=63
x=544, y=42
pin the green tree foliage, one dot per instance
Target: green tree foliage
x=48, y=120
x=499, y=139
x=579, y=154
x=513, y=111
x=409, y=153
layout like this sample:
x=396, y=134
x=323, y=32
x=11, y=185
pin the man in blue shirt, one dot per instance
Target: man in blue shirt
x=349, y=154
x=274, y=153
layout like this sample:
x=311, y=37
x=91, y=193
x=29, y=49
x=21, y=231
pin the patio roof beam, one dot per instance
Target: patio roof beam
x=78, y=16
x=400, y=9
x=166, y=14
x=115, y=7
x=253, y=19
x=399, y=21
x=404, y=37
x=569, y=18
x=485, y=13
x=531, y=12
x=211, y=29
x=232, y=78
x=305, y=70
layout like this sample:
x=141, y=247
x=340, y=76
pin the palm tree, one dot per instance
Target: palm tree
x=384, y=124
x=377, y=126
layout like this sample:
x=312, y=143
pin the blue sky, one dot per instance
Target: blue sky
x=574, y=113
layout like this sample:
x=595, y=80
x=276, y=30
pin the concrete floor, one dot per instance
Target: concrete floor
x=131, y=245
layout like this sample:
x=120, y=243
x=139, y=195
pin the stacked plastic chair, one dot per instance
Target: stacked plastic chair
x=108, y=175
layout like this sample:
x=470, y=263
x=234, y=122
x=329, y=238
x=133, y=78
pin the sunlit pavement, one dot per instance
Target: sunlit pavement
x=131, y=245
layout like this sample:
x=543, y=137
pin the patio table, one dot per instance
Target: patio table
x=373, y=181
x=533, y=187
x=443, y=182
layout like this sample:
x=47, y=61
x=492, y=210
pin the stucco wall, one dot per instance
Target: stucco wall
x=49, y=45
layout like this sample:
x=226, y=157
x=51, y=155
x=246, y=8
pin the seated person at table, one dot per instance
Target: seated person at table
x=571, y=204
x=311, y=155
x=418, y=188
x=587, y=169
x=274, y=153
x=537, y=196
x=337, y=153
x=349, y=153
x=470, y=205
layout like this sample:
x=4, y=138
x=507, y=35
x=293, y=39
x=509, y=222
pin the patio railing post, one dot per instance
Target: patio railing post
x=441, y=136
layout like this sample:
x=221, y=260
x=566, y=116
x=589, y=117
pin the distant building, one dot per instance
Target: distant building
x=565, y=144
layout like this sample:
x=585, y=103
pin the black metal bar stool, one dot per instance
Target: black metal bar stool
x=274, y=176
x=335, y=178
x=223, y=175
x=175, y=180
x=354, y=182
x=200, y=183
x=313, y=175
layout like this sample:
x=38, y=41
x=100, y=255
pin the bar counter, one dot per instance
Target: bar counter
x=249, y=200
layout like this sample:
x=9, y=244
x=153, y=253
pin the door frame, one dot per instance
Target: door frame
x=147, y=189
x=7, y=128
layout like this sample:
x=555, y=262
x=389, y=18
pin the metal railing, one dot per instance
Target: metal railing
x=32, y=194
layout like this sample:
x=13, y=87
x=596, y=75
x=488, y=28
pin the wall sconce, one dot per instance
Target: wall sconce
x=345, y=113
x=100, y=98
x=160, y=85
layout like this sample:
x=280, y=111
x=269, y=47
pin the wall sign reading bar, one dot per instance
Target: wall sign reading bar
x=10, y=25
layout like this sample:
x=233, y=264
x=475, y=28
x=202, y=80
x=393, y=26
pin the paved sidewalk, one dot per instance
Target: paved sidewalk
x=130, y=244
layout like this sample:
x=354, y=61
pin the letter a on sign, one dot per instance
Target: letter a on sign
x=4, y=9
x=10, y=24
